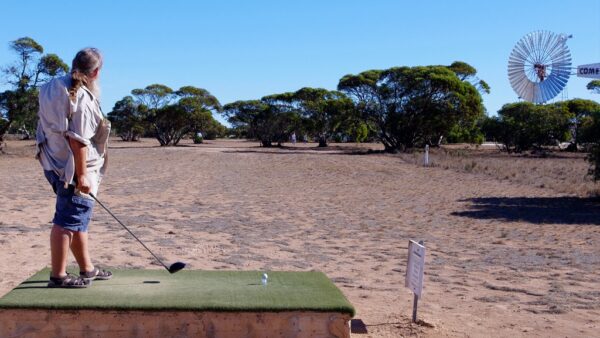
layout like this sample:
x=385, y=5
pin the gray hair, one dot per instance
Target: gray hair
x=84, y=64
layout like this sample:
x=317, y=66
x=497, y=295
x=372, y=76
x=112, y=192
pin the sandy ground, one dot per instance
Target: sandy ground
x=503, y=259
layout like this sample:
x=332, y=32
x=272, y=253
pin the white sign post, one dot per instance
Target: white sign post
x=414, y=272
x=426, y=159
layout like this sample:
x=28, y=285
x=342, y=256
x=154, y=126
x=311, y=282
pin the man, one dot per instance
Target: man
x=72, y=139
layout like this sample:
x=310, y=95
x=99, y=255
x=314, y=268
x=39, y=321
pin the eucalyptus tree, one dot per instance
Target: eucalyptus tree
x=523, y=126
x=173, y=114
x=263, y=120
x=322, y=111
x=127, y=117
x=582, y=118
x=19, y=105
x=413, y=106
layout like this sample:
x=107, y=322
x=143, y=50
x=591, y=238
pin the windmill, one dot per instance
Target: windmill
x=539, y=66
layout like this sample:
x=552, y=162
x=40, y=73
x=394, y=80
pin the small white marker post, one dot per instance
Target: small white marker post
x=426, y=161
x=414, y=272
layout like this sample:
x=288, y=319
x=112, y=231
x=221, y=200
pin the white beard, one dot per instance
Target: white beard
x=94, y=87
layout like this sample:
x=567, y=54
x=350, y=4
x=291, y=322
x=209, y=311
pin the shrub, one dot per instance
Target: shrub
x=594, y=158
x=523, y=126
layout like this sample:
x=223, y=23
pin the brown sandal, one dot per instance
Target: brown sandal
x=69, y=281
x=96, y=274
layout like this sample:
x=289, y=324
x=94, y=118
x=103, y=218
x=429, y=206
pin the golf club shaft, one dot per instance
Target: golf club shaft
x=125, y=227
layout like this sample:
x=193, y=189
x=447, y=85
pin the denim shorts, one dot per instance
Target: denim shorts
x=73, y=212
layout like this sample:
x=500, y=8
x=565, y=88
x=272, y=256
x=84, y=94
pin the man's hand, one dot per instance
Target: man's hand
x=80, y=154
x=83, y=184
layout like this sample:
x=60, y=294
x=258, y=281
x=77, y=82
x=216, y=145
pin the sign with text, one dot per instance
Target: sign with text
x=591, y=71
x=415, y=267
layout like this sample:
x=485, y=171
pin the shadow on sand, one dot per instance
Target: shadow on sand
x=304, y=151
x=550, y=210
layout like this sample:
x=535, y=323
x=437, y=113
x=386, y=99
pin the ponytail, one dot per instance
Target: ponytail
x=85, y=63
x=78, y=79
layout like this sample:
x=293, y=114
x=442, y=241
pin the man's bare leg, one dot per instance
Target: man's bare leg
x=60, y=240
x=79, y=247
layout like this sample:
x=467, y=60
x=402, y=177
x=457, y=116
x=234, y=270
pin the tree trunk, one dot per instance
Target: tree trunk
x=3, y=131
x=27, y=134
x=322, y=142
x=266, y=143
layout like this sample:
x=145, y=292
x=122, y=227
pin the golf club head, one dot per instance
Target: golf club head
x=176, y=267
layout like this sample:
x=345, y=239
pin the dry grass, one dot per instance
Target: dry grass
x=558, y=171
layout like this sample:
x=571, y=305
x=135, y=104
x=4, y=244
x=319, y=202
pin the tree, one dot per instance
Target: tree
x=594, y=139
x=581, y=111
x=594, y=86
x=323, y=111
x=523, y=126
x=173, y=114
x=19, y=105
x=468, y=130
x=213, y=130
x=413, y=106
x=199, y=105
x=261, y=120
x=127, y=118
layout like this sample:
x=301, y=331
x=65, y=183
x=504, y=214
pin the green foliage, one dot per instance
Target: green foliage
x=198, y=139
x=356, y=129
x=321, y=110
x=214, y=130
x=258, y=119
x=173, y=114
x=462, y=69
x=170, y=123
x=52, y=65
x=19, y=105
x=581, y=111
x=594, y=86
x=360, y=132
x=154, y=96
x=523, y=126
x=466, y=134
x=26, y=46
x=594, y=158
x=466, y=72
x=127, y=119
x=594, y=140
x=413, y=106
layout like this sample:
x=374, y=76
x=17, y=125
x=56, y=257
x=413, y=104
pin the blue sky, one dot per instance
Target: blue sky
x=247, y=49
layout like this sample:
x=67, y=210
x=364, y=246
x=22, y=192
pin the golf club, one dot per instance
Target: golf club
x=172, y=269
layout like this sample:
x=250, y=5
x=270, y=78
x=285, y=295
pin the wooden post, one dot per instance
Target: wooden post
x=426, y=161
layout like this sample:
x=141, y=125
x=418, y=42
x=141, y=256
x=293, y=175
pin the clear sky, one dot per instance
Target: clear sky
x=247, y=49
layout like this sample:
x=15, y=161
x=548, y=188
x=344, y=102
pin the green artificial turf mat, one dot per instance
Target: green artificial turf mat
x=187, y=290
